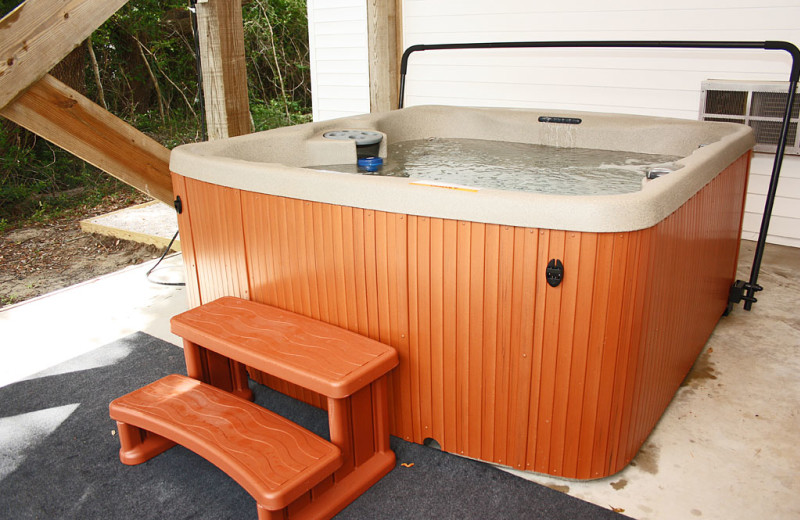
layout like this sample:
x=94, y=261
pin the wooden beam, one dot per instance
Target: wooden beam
x=66, y=118
x=221, y=36
x=384, y=30
x=38, y=34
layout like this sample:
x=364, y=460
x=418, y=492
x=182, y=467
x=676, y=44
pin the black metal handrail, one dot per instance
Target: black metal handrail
x=740, y=290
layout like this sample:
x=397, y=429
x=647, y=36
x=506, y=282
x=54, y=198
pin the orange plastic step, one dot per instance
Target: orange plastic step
x=272, y=458
x=315, y=355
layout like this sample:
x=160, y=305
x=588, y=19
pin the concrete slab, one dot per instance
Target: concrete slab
x=42, y=332
x=150, y=223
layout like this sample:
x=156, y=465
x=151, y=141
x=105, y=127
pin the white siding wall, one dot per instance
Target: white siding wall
x=645, y=81
x=337, y=34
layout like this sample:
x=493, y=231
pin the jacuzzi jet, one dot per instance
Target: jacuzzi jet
x=655, y=173
x=367, y=141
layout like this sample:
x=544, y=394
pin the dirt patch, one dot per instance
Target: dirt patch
x=557, y=487
x=621, y=483
x=647, y=459
x=41, y=258
x=702, y=371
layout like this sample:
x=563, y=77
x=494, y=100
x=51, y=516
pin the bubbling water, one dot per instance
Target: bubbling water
x=517, y=166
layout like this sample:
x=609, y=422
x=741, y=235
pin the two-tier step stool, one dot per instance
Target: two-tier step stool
x=291, y=472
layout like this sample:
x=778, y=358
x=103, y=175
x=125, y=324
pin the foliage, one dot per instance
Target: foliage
x=31, y=168
x=146, y=61
x=276, y=48
x=7, y=5
x=273, y=114
x=146, y=74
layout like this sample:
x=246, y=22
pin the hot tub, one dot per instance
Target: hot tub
x=495, y=362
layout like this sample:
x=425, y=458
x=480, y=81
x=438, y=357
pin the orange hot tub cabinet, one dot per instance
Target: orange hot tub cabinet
x=495, y=364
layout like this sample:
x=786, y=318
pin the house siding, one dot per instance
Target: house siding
x=337, y=34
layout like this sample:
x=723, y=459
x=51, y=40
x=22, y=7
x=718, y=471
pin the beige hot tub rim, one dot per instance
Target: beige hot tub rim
x=275, y=162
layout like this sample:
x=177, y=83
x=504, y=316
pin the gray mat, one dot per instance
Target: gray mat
x=58, y=457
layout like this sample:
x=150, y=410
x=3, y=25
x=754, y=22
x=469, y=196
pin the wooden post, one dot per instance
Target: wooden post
x=384, y=31
x=66, y=118
x=221, y=36
x=38, y=34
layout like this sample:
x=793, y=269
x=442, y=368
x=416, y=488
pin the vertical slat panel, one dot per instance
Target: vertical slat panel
x=288, y=227
x=451, y=357
x=610, y=346
x=333, y=246
x=339, y=267
x=262, y=209
x=437, y=330
x=489, y=343
x=413, y=324
x=344, y=257
x=463, y=277
x=387, y=328
x=423, y=335
x=283, y=266
x=401, y=227
x=653, y=358
x=662, y=373
x=310, y=261
x=257, y=273
x=321, y=249
x=397, y=230
x=521, y=384
x=597, y=324
x=371, y=276
x=506, y=338
x=584, y=274
x=624, y=369
x=187, y=242
x=564, y=353
x=475, y=370
x=218, y=243
x=360, y=273
x=537, y=350
x=275, y=218
x=638, y=260
x=647, y=260
x=295, y=227
x=300, y=256
x=549, y=359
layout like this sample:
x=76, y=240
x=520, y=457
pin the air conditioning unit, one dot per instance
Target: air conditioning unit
x=760, y=105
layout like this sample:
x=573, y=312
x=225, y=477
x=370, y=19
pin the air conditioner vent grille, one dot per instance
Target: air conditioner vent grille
x=759, y=105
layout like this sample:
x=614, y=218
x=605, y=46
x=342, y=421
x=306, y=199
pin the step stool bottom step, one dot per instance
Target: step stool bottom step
x=272, y=458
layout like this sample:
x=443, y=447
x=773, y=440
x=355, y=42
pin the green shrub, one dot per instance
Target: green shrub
x=272, y=114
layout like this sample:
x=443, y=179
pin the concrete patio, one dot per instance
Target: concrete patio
x=726, y=448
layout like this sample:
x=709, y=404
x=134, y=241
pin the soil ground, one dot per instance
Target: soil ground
x=38, y=258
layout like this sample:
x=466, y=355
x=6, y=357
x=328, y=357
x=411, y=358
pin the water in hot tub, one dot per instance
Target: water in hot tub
x=516, y=166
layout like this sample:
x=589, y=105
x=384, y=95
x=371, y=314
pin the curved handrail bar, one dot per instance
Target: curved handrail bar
x=752, y=286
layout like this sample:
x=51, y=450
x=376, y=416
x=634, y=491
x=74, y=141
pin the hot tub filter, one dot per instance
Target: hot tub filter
x=367, y=141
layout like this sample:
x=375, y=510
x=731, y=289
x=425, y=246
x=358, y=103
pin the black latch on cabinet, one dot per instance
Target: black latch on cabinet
x=554, y=272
